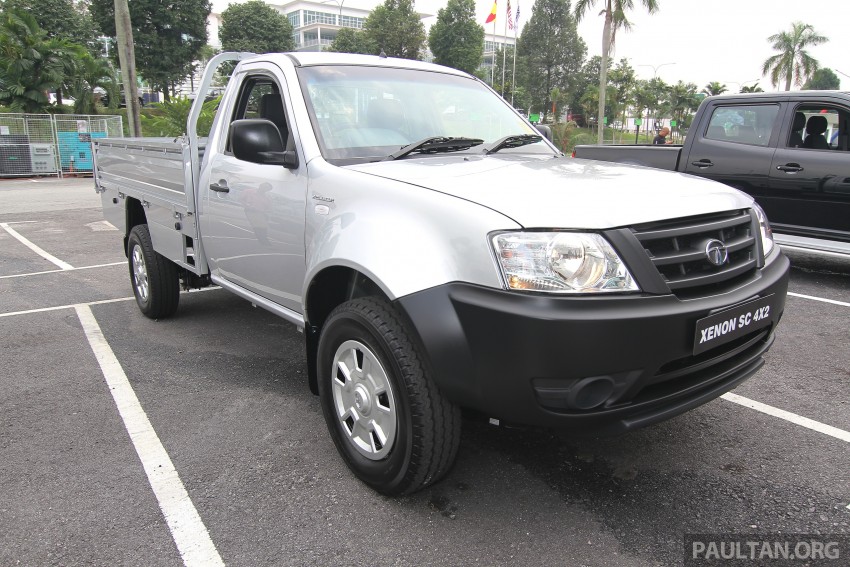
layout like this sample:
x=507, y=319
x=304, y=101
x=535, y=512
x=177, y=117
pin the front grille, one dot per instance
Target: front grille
x=678, y=249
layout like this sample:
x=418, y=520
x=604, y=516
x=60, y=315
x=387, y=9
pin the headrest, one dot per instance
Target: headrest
x=799, y=122
x=816, y=125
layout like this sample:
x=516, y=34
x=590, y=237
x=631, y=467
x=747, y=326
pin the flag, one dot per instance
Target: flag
x=492, y=16
x=510, y=19
x=516, y=23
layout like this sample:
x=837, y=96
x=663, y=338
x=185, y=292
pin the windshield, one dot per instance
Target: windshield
x=364, y=113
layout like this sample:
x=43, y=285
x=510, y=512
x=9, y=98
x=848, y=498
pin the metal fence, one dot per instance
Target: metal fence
x=45, y=144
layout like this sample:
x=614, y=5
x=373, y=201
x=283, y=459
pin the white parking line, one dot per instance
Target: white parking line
x=49, y=257
x=788, y=416
x=188, y=530
x=60, y=271
x=89, y=303
x=813, y=298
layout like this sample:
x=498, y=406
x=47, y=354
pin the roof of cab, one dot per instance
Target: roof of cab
x=314, y=58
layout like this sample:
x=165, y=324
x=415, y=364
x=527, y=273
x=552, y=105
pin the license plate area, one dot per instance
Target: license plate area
x=725, y=326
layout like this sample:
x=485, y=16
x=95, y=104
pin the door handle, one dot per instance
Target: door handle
x=220, y=187
x=702, y=163
x=790, y=167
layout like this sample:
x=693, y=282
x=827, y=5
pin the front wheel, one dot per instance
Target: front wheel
x=393, y=427
x=156, y=284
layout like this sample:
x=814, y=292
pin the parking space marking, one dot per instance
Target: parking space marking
x=188, y=530
x=824, y=300
x=788, y=416
x=90, y=303
x=60, y=271
x=49, y=257
x=60, y=307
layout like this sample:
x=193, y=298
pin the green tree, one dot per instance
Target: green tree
x=683, y=102
x=30, y=63
x=61, y=19
x=255, y=26
x=714, y=88
x=621, y=81
x=349, y=40
x=168, y=35
x=793, y=62
x=456, y=39
x=549, y=53
x=615, y=18
x=823, y=80
x=394, y=27
x=752, y=89
x=644, y=99
x=90, y=73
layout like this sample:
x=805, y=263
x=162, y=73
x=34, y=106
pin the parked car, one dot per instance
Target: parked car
x=789, y=150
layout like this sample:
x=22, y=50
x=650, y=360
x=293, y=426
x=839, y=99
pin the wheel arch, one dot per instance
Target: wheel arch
x=135, y=214
x=329, y=288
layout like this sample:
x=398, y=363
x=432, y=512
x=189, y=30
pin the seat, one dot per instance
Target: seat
x=747, y=135
x=271, y=108
x=815, y=128
x=796, y=139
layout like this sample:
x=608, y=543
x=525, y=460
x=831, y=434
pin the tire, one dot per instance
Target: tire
x=156, y=284
x=392, y=426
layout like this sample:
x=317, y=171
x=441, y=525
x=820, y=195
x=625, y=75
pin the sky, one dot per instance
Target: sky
x=695, y=41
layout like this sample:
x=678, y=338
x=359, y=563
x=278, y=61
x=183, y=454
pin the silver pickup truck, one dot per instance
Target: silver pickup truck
x=440, y=254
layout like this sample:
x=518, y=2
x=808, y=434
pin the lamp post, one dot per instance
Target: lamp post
x=655, y=69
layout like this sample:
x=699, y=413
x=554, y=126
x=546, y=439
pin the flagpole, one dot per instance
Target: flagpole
x=504, y=46
x=513, y=73
x=493, y=70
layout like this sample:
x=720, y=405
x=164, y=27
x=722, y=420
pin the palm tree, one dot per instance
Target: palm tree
x=792, y=62
x=30, y=64
x=752, y=89
x=714, y=88
x=89, y=74
x=615, y=18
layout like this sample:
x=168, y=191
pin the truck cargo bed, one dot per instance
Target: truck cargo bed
x=157, y=173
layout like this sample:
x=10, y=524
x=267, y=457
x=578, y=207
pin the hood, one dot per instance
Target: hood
x=556, y=192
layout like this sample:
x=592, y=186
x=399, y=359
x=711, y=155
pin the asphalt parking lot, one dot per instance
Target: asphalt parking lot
x=126, y=441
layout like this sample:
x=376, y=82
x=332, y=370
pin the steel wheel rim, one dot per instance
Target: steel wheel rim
x=363, y=400
x=140, y=273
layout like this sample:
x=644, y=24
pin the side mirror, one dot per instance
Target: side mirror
x=259, y=141
x=545, y=131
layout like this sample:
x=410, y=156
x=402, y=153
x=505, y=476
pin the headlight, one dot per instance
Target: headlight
x=767, y=243
x=561, y=262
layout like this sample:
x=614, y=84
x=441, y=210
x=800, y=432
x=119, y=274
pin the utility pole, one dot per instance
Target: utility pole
x=127, y=59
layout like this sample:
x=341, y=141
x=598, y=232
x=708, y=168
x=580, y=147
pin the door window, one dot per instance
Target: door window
x=260, y=97
x=819, y=127
x=745, y=124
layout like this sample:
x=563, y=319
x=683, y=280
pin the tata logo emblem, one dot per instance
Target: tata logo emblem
x=716, y=252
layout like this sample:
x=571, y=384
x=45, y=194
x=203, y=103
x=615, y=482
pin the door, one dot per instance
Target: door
x=735, y=145
x=809, y=192
x=253, y=216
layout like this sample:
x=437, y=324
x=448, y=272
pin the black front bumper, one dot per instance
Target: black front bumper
x=537, y=360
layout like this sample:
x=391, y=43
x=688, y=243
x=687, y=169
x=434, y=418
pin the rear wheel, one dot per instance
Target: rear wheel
x=393, y=427
x=156, y=284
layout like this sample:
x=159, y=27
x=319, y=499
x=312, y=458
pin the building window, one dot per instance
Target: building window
x=311, y=17
x=351, y=22
x=294, y=19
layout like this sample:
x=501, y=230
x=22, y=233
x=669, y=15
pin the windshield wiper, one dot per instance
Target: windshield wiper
x=435, y=144
x=514, y=141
